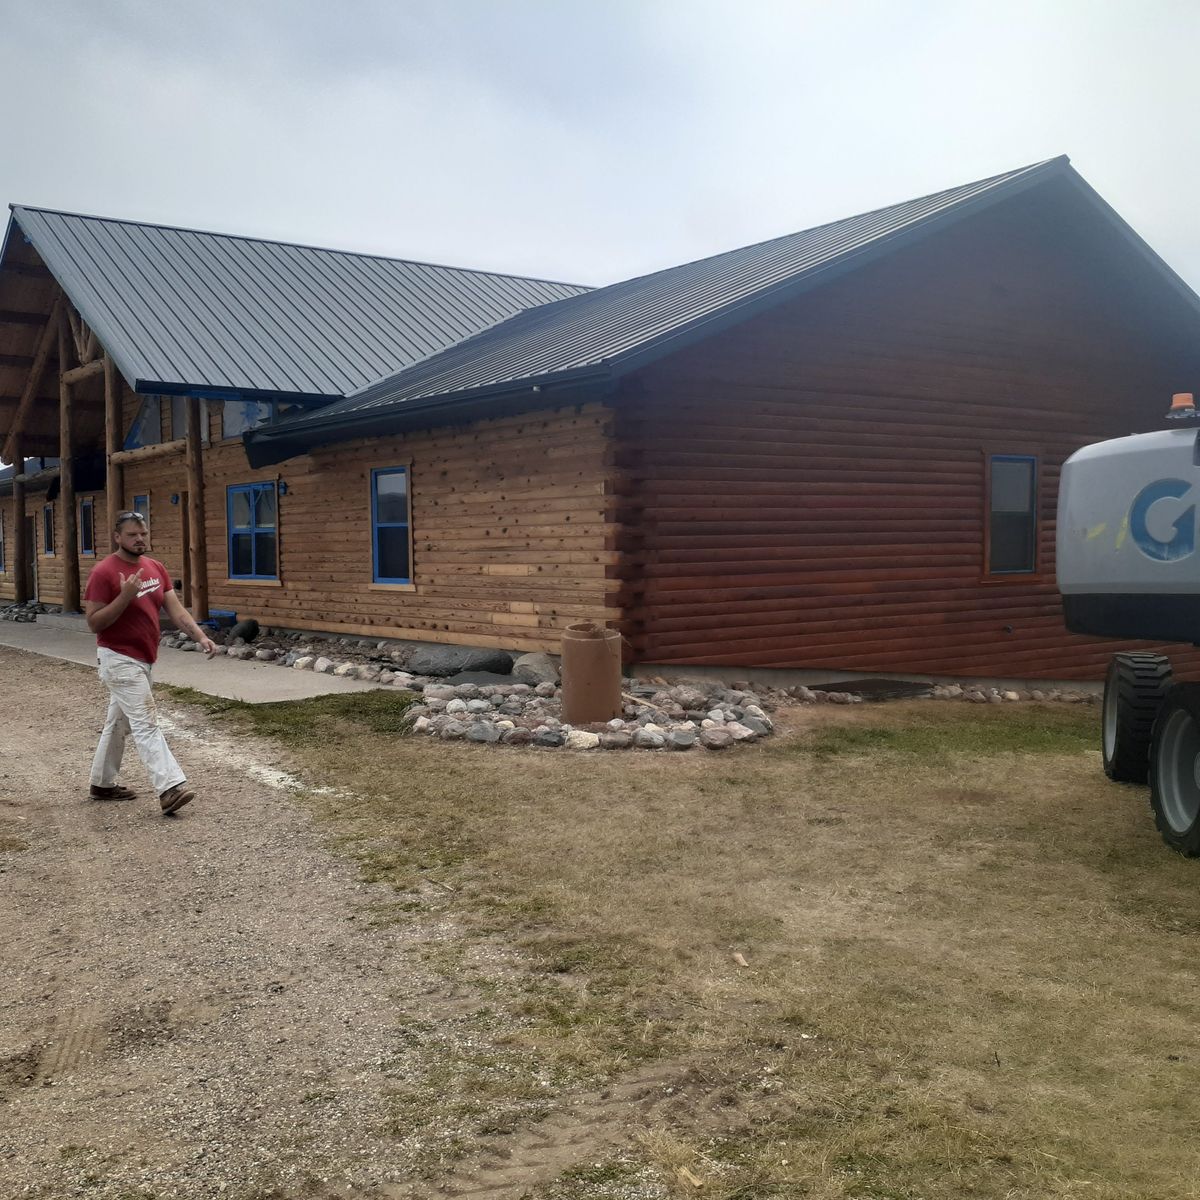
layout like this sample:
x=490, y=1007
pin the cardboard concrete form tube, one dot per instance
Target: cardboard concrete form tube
x=591, y=674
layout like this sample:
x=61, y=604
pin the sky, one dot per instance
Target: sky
x=587, y=140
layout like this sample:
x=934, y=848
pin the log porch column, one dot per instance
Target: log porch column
x=66, y=475
x=196, y=530
x=20, y=544
x=114, y=482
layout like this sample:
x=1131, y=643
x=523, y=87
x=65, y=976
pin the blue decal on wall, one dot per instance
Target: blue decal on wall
x=1184, y=541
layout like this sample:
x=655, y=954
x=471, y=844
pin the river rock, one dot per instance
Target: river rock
x=582, y=739
x=716, y=738
x=442, y=661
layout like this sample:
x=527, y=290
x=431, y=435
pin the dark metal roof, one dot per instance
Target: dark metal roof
x=607, y=332
x=181, y=310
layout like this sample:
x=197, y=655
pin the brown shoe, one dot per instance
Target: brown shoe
x=174, y=798
x=116, y=792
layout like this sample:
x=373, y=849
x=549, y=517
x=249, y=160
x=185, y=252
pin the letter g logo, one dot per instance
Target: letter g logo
x=1184, y=541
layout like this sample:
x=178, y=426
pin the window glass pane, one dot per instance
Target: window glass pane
x=86, y=530
x=147, y=425
x=178, y=417
x=239, y=510
x=392, y=543
x=141, y=504
x=264, y=554
x=48, y=530
x=1012, y=486
x=391, y=497
x=241, y=554
x=239, y=415
x=264, y=505
x=1012, y=545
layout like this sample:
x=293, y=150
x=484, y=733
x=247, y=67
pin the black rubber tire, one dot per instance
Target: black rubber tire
x=247, y=630
x=1133, y=693
x=1174, y=758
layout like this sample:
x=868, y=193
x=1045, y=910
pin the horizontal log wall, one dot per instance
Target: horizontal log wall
x=512, y=537
x=808, y=489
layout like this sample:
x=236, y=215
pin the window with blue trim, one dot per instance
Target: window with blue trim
x=1012, y=514
x=87, y=526
x=252, y=511
x=48, y=529
x=391, y=549
x=141, y=504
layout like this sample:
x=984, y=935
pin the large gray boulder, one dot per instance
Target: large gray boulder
x=535, y=669
x=441, y=661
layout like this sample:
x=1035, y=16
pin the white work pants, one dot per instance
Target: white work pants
x=131, y=710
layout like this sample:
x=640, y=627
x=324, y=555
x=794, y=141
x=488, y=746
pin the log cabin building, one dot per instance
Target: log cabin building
x=837, y=449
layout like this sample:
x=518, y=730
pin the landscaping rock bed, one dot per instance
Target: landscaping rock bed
x=27, y=612
x=492, y=698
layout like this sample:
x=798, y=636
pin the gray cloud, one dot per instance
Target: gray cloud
x=586, y=141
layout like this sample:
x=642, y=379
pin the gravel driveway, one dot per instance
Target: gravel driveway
x=193, y=1006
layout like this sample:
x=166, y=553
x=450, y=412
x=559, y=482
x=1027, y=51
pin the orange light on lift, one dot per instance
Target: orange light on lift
x=1183, y=407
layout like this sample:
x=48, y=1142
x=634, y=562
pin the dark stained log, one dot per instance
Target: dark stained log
x=66, y=454
x=20, y=543
x=10, y=316
x=113, y=437
x=27, y=270
x=16, y=360
x=196, y=524
x=29, y=393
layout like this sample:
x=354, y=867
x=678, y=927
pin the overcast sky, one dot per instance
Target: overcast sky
x=587, y=141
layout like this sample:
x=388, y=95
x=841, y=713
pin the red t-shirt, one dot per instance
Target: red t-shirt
x=135, y=631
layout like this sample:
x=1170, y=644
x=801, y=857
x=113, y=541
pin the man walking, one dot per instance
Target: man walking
x=124, y=594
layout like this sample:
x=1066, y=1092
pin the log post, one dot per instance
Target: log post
x=66, y=477
x=114, y=483
x=196, y=532
x=20, y=544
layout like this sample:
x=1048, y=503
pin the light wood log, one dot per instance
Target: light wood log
x=33, y=380
x=66, y=479
x=196, y=531
x=77, y=374
x=115, y=474
x=142, y=453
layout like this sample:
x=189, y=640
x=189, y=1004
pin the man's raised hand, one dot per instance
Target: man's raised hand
x=131, y=583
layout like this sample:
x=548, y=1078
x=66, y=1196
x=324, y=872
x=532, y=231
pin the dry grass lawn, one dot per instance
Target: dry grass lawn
x=970, y=964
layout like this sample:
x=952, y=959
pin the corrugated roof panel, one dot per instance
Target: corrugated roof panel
x=182, y=308
x=600, y=327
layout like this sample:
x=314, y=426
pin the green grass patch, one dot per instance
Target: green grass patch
x=1023, y=729
x=295, y=721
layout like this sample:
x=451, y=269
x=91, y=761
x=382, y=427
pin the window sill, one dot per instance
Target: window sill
x=1015, y=577
x=253, y=582
x=391, y=587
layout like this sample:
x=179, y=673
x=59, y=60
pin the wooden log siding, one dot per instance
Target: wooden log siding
x=513, y=536
x=807, y=490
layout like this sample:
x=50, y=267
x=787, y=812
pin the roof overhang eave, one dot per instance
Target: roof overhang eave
x=266, y=447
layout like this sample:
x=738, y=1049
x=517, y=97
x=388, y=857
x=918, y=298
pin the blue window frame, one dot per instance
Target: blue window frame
x=87, y=526
x=252, y=511
x=141, y=504
x=48, y=530
x=1012, y=514
x=391, y=557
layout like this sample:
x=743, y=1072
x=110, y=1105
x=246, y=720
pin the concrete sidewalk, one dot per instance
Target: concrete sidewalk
x=251, y=681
